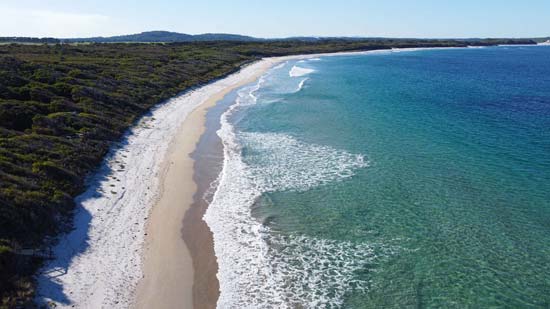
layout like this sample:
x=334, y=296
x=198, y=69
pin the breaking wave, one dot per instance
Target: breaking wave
x=301, y=84
x=297, y=71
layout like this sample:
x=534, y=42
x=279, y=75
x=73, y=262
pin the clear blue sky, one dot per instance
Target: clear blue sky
x=278, y=18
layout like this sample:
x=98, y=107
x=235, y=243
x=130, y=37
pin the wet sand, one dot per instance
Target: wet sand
x=208, y=157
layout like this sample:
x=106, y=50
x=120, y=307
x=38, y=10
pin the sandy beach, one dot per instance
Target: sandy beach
x=128, y=222
x=168, y=267
x=175, y=248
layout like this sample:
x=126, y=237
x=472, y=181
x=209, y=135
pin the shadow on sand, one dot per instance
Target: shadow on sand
x=76, y=241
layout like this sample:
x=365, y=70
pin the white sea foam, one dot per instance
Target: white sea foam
x=284, y=163
x=301, y=84
x=261, y=269
x=315, y=59
x=280, y=65
x=400, y=50
x=297, y=71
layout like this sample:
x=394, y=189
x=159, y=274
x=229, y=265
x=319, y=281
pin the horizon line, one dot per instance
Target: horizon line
x=282, y=37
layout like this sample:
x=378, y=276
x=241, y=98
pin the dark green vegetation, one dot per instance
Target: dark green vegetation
x=62, y=107
x=28, y=40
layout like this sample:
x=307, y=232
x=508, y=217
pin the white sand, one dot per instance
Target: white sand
x=98, y=264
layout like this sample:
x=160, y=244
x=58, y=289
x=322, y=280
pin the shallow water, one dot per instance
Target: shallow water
x=395, y=179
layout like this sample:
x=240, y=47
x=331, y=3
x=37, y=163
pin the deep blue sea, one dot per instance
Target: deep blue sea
x=395, y=179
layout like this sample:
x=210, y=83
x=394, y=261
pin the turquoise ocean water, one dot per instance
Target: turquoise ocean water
x=388, y=180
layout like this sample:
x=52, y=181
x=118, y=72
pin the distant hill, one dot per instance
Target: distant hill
x=165, y=36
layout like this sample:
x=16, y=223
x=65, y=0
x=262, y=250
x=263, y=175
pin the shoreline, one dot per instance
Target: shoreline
x=196, y=232
x=127, y=247
x=162, y=285
x=208, y=164
x=167, y=264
